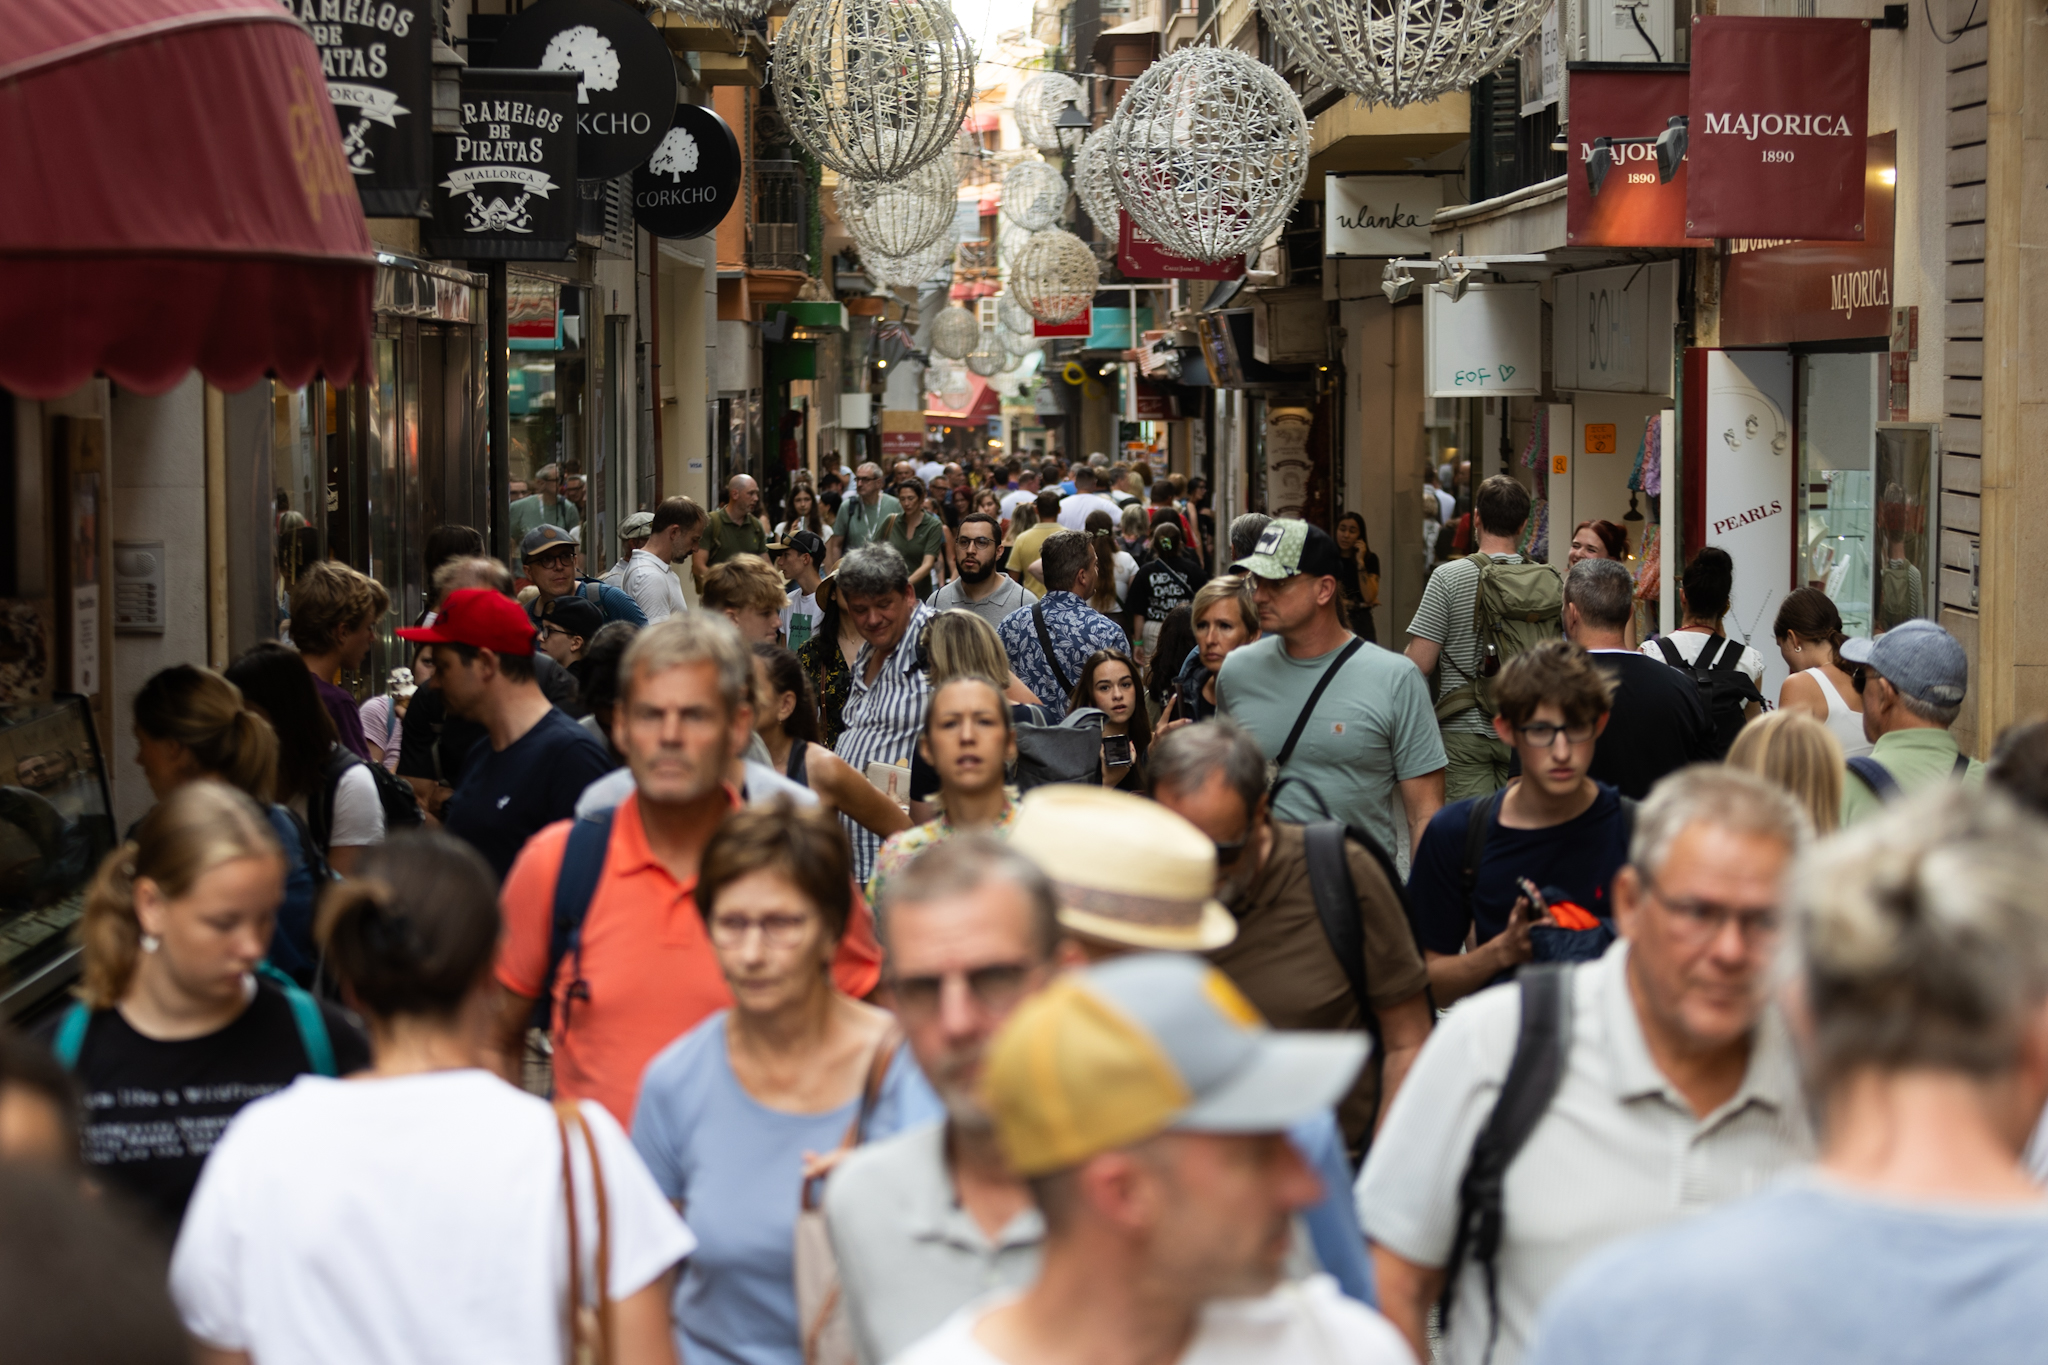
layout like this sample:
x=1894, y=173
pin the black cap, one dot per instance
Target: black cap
x=804, y=543
x=574, y=615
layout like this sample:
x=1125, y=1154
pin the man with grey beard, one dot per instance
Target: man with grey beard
x=932, y=1219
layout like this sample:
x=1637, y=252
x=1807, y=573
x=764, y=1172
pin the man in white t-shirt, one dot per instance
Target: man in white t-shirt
x=1025, y=491
x=798, y=555
x=1074, y=510
x=1146, y=1103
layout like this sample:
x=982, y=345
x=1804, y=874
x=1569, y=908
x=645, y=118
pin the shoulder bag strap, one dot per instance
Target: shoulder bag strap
x=1542, y=1045
x=1877, y=777
x=306, y=1017
x=879, y=1062
x=1329, y=878
x=575, y=885
x=1478, y=825
x=590, y=1325
x=1726, y=656
x=1670, y=652
x=70, y=1038
x=1962, y=767
x=1052, y=655
x=1322, y=685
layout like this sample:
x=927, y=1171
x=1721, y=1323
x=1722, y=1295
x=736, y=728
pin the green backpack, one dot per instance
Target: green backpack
x=1514, y=607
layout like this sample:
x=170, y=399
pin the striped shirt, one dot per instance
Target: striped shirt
x=883, y=719
x=1444, y=615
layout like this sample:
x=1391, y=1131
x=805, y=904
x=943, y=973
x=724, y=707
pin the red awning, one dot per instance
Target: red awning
x=982, y=404
x=173, y=194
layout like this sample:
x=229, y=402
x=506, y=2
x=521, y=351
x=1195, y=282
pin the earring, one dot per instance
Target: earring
x=150, y=943
x=1798, y=649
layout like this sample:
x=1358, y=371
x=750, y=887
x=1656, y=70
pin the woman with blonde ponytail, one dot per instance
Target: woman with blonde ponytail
x=192, y=723
x=417, y=1213
x=179, y=1022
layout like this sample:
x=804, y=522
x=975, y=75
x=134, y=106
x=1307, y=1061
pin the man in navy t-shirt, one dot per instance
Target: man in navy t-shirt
x=1554, y=827
x=533, y=760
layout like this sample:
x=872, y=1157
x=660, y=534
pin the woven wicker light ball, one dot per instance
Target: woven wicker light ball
x=1038, y=102
x=1012, y=314
x=1092, y=184
x=898, y=217
x=1402, y=51
x=907, y=272
x=735, y=16
x=1034, y=195
x=873, y=88
x=955, y=332
x=990, y=355
x=1056, y=276
x=1208, y=152
x=1010, y=244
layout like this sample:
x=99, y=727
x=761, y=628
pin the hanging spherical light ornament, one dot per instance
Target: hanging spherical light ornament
x=907, y=272
x=1021, y=344
x=947, y=381
x=1208, y=152
x=734, y=16
x=873, y=88
x=955, y=332
x=1010, y=244
x=1056, y=276
x=1034, y=195
x=1402, y=51
x=1092, y=186
x=989, y=355
x=898, y=217
x=1038, y=103
x=1012, y=314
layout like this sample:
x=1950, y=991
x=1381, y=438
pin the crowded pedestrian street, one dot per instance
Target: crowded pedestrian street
x=1022, y=682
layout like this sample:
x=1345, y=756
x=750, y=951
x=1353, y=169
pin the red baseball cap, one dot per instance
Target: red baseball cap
x=480, y=617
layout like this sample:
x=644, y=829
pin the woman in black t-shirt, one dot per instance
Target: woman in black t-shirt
x=179, y=1023
x=1358, y=576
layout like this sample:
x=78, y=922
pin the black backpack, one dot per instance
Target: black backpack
x=401, y=804
x=1725, y=690
x=1066, y=750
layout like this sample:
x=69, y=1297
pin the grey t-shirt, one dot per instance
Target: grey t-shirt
x=1007, y=597
x=1815, y=1273
x=1372, y=728
x=1445, y=615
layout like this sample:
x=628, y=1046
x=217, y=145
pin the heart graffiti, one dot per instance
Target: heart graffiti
x=1507, y=372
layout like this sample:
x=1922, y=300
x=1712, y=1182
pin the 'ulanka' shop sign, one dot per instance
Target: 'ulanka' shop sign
x=506, y=184
x=378, y=59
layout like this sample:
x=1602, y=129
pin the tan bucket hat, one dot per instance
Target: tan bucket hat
x=1126, y=870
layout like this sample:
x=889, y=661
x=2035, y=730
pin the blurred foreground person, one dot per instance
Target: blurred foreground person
x=78, y=1284
x=1147, y=1106
x=1919, y=997
x=420, y=1211
x=1801, y=755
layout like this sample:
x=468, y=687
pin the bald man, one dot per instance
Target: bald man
x=734, y=528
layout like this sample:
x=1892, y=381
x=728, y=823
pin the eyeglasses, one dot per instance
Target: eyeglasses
x=1857, y=677
x=1543, y=734
x=976, y=543
x=777, y=931
x=548, y=628
x=1698, y=921
x=554, y=561
x=995, y=987
x=867, y=478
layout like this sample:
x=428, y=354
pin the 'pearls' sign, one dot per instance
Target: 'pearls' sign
x=626, y=90
x=378, y=59
x=689, y=184
x=1777, y=124
x=505, y=186
x=1379, y=215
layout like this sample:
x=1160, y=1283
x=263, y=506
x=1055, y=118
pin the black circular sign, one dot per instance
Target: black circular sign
x=628, y=93
x=691, y=181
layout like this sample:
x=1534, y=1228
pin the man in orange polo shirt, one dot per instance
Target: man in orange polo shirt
x=646, y=973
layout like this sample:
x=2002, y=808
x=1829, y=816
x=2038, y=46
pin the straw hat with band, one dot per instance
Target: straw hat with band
x=1126, y=870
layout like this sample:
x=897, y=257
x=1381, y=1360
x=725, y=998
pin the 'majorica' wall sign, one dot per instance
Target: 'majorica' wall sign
x=626, y=96
x=689, y=184
x=505, y=186
x=378, y=59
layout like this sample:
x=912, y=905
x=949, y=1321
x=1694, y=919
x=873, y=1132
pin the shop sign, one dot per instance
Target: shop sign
x=1541, y=74
x=1635, y=206
x=1379, y=215
x=902, y=442
x=1610, y=330
x=1739, y=484
x=1487, y=344
x=692, y=180
x=626, y=95
x=378, y=56
x=1141, y=258
x=1078, y=327
x=505, y=186
x=1777, y=129
x=1777, y=292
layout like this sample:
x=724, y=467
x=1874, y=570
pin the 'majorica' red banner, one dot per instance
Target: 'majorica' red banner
x=1777, y=127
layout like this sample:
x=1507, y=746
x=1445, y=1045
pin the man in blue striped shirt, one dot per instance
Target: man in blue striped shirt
x=885, y=710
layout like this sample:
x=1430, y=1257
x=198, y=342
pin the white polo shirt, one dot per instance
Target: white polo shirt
x=1619, y=1151
x=649, y=581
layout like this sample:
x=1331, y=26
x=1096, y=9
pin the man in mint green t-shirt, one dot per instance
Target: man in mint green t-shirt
x=1371, y=732
x=1915, y=676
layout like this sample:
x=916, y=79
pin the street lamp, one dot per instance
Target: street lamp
x=1071, y=128
x=1670, y=145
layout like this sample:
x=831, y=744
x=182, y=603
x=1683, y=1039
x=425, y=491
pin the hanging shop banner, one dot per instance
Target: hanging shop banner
x=1739, y=484
x=1774, y=293
x=1081, y=326
x=1635, y=206
x=379, y=62
x=627, y=96
x=690, y=183
x=1486, y=344
x=1779, y=114
x=505, y=186
x=1141, y=258
x=1379, y=215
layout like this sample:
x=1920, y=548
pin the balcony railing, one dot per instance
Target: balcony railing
x=781, y=228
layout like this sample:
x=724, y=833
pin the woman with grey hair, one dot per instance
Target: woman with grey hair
x=1917, y=981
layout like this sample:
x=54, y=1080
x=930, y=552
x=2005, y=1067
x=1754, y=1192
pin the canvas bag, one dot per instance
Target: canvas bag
x=820, y=1311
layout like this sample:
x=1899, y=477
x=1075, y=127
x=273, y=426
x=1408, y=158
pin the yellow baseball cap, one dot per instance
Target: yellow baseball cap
x=1123, y=1051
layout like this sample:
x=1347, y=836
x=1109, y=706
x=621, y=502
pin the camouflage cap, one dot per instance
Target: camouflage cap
x=1288, y=547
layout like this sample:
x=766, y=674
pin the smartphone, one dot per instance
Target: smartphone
x=1117, y=751
x=1537, y=904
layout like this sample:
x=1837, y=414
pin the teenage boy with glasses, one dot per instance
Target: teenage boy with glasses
x=1554, y=828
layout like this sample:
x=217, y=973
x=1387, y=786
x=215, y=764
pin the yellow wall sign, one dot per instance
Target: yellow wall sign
x=1599, y=438
x=1560, y=464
